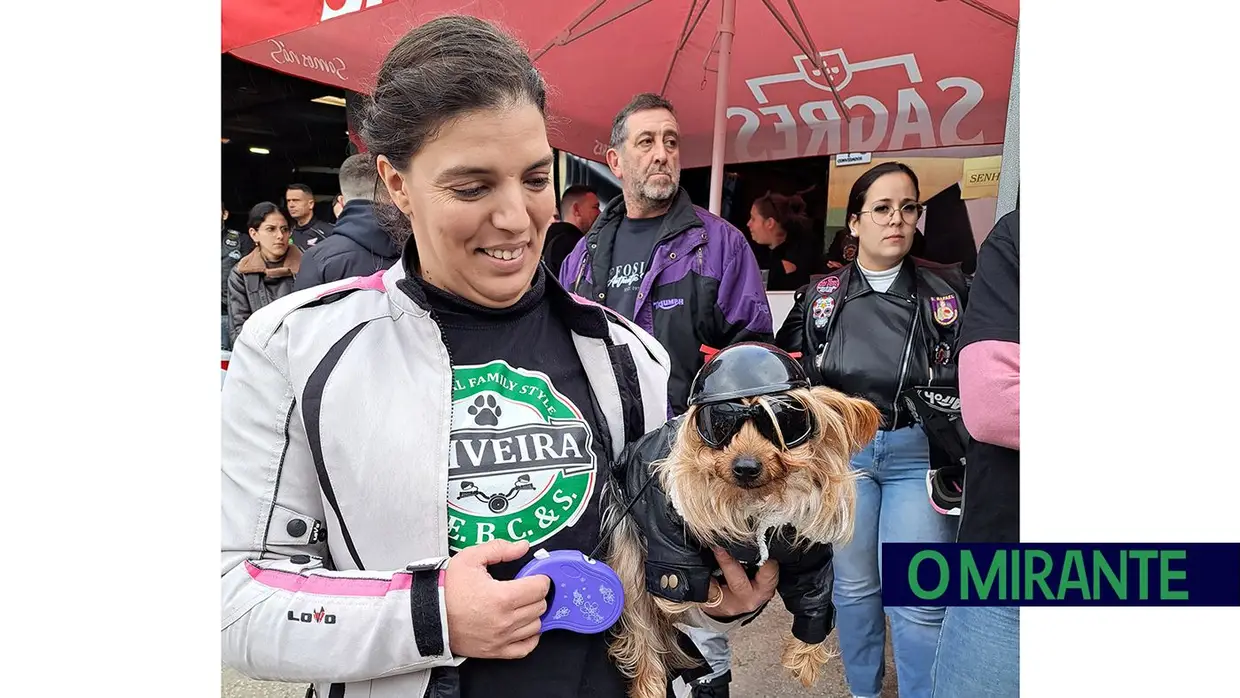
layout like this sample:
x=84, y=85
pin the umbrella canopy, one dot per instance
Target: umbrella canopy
x=814, y=78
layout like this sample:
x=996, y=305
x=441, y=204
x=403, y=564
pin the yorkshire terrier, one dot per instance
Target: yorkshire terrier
x=769, y=473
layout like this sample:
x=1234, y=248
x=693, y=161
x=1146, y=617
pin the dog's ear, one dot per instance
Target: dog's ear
x=861, y=417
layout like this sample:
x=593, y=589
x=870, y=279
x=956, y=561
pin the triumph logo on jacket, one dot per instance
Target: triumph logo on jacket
x=522, y=463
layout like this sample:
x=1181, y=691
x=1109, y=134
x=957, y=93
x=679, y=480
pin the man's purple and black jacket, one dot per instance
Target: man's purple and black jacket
x=702, y=286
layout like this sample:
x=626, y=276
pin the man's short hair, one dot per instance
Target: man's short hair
x=572, y=195
x=642, y=102
x=301, y=187
x=358, y=177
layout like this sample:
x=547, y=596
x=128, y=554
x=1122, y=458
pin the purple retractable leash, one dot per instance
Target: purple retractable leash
x=586, y=595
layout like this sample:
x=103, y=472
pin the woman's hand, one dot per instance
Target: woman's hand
x=741, y=595
x=489, y=619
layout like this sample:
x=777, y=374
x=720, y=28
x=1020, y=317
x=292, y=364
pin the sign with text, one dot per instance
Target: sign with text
x=980, y=178
x=1061, y=574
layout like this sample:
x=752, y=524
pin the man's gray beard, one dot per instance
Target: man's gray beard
x=651, y=194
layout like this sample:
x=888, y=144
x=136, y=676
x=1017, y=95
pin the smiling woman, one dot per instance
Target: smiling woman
x=432, y=423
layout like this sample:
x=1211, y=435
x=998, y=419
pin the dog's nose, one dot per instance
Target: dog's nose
x=746, y=468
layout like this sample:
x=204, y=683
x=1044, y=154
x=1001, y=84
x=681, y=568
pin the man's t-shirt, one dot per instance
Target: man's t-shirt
x=526, y=463
x=635, y=241
x=991, y=507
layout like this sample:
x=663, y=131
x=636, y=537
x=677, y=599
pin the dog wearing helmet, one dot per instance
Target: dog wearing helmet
x=758, y=466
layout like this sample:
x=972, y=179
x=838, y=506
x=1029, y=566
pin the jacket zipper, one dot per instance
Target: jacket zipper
x=908, y=349
x=451, y=389
x=581, y=272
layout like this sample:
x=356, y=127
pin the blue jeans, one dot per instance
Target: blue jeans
x=979, y=653
x=892, y=507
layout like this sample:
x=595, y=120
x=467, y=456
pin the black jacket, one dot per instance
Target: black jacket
x=230, y=254
x=358, y=247
x=806, y=571
x=875, y=345
x=561, y=239
x=253, y=284
x=305, y=237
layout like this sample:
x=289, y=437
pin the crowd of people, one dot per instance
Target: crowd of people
x=450, y=290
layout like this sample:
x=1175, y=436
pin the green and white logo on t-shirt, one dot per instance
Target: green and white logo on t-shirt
x=522, y=464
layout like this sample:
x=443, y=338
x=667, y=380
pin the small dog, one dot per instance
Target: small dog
x=753, y=480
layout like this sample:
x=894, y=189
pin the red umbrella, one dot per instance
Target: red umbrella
x=814, y=78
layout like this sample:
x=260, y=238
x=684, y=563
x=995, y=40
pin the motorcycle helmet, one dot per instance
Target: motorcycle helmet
x=744, y=370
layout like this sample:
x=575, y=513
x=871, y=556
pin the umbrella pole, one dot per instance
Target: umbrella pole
x=1009, y=166
x=727, y=22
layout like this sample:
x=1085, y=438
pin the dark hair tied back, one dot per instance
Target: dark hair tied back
x=439, y=71
x=788, y=211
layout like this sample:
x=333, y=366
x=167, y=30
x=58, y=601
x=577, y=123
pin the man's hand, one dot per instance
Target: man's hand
x=489, y=618
x=741, y=595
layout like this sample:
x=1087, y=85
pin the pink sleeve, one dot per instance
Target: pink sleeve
x=990, y=392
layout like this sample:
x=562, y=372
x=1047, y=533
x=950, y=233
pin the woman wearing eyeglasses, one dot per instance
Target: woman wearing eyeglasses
x=872, y=329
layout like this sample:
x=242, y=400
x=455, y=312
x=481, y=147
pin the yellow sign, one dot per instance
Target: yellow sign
x=980, y=178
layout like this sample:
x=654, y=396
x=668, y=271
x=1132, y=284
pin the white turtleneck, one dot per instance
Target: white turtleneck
x=880, y=280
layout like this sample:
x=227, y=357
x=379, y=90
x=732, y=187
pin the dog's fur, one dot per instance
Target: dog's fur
x=811, y=487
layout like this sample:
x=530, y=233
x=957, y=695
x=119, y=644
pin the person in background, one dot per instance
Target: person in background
x=872, y=329
x=681, y=273
x=359, y=246
x=779, y=222
x=979, y=647
x=307, y=229
x=348, y=422
x=579, y=208
x=842, y=250
x=230, y=254
x=265, y=274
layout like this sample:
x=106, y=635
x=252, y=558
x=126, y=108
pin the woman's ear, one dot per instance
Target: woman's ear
x=394, y=181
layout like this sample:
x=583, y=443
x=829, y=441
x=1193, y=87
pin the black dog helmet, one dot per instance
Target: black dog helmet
x=746, y=370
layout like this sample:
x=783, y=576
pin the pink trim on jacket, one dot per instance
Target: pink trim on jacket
x=330, y=586
x=990, y=392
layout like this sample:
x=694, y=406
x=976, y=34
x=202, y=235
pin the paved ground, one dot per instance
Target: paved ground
x=755, y=668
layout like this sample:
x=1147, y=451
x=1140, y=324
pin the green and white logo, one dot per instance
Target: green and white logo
x=522, y=464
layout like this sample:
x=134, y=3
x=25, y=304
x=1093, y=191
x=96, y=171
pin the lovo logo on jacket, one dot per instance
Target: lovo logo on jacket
x=522, y=463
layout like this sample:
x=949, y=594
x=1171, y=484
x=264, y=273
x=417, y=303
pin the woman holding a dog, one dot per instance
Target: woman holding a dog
x=397, y=447
x=872, y=329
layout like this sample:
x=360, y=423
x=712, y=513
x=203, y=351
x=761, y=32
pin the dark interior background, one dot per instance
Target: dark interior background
x=307, y=140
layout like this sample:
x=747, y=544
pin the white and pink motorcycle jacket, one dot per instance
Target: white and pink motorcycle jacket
x=336, y=414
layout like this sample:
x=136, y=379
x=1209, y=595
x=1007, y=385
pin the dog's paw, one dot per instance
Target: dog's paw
x=805, y=661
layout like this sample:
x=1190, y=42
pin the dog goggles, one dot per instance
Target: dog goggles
x=780, y=421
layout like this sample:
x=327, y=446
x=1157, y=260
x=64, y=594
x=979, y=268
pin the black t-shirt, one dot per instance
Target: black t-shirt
x=526, y=463
x=802, y=251
x=635, y=241
x=991, y=511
